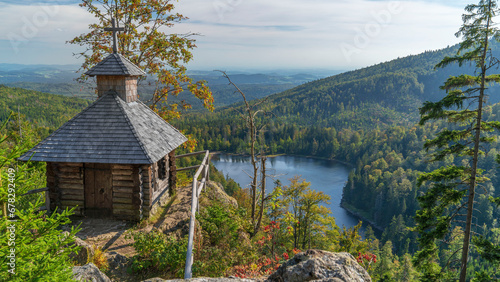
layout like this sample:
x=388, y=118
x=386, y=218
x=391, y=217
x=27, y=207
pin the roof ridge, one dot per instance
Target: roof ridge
x=134, y=132
x=131, y=63
x=118, y=58
x=140, y=102
x=115, y=64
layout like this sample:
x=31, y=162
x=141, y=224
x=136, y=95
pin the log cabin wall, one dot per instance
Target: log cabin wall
x=159, y=184
x=126, y=191
x=145, y=182
x=66, y=188
x=138, y=190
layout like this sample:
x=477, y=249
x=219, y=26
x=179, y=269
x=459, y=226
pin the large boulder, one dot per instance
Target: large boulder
x=202, y=279
x=320, y=265
x=84, y=252
x=89, y=272
x=118, y=265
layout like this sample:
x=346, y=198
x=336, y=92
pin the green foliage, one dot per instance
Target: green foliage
x=41, y=250
x=216, y=221
x=147, y=44
x=487, y=250
x=230, y=186
x=452, y=193
x=158, y=253
x=41, y=109
x=225, y=240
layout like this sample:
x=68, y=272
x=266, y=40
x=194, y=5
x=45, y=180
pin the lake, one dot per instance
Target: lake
x=325, y=175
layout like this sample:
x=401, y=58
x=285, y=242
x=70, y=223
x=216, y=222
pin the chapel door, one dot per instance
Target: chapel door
x=98, y=190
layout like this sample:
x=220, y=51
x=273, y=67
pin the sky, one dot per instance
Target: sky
x=252, y=34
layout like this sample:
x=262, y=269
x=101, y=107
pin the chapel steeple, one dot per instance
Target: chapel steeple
x=117, y=156
x=116, y=73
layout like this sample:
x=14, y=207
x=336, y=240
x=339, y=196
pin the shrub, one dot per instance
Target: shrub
x=159, y=253
x=41, y=252
x=99, y=258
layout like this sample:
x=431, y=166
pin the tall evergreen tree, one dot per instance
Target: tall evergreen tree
x=453, y=187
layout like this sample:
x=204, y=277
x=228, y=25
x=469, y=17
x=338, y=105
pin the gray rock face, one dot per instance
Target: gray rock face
x=215, y=191
x=116, y=260
x=118, y=264
x=201, y=279
x=84, y=253
x=318, y=265
x=89, y=272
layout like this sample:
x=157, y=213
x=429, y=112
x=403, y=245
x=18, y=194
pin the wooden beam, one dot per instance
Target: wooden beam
x=125, y=212
x=120, y=183
x=70, y=186
x=117, y=200
x=191, y=154
x=123, y=177
x=121, y=172
x=72, y=203
x=188, y=168
x=123, y=207
x=34, y=191
x=72, y=192
x=127, y=190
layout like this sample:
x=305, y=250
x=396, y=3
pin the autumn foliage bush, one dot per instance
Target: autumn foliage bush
x=272, y=252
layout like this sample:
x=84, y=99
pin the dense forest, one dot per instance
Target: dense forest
x=45, y=109
x=367, y=118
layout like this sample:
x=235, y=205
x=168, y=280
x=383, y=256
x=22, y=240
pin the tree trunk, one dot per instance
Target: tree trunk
x=262, y=193
x=477, y=139
x=254, y=162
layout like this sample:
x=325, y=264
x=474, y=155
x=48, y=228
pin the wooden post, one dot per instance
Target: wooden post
x=172, y=170
x=196, y=190
x=47, y=201
x=189, y=256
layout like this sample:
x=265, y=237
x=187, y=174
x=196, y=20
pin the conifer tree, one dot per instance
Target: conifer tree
x=450, y=196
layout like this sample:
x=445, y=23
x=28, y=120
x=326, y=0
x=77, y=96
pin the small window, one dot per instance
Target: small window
x=162, y=169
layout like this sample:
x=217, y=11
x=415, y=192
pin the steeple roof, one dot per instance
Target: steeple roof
x=115, y=64
x=110, y=131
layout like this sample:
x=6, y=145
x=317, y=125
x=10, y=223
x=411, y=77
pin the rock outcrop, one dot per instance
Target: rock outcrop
x=84, y=253
x=215, y=191
x=202, y=279
x=320, y=265
x=89, y=272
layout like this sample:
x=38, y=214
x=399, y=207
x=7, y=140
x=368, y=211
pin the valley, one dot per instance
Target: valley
x=366, y=118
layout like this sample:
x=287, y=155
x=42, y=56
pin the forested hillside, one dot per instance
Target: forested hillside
x=46, y=110
x=367, y=118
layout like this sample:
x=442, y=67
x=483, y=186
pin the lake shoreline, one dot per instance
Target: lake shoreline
x=326, y=175
x=361, y=217
x=279, y=155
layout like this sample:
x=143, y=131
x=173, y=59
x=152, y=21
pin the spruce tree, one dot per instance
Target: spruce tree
x=450, y=195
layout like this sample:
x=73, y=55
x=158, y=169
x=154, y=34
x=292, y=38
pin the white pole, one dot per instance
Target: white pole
x=189, y=256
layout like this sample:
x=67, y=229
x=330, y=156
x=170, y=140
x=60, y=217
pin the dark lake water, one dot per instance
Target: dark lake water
x=325, y=175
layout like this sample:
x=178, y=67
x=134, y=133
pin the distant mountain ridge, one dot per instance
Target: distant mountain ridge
x=60, y=79
x=382, y=94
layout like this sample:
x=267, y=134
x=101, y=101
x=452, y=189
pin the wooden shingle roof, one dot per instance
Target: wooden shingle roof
x=110, y=131
x=115, y=64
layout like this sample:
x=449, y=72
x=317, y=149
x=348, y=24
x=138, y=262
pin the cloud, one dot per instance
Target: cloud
x=313, y=33
x=254, y=34
x=40, y=2
x=37, y=33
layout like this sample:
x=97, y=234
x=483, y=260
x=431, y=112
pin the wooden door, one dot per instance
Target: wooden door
x=98, y=190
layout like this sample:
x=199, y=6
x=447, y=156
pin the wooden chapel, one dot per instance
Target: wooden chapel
x=116, y=157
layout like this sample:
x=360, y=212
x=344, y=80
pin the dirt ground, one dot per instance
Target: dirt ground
x=111, y=234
